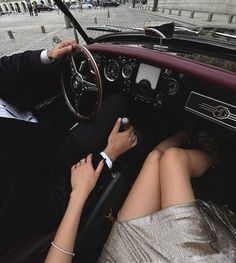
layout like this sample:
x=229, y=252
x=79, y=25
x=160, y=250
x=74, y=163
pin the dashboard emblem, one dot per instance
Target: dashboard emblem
x=221, y=112
x=214, y=110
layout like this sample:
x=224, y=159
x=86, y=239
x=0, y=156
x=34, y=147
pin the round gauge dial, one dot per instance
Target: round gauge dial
x=172, y=87
x=127, y=71
x=111, y=70
x=133, y=62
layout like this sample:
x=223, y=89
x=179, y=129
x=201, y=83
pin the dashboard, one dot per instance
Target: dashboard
x=169, y=82
x=144, y=82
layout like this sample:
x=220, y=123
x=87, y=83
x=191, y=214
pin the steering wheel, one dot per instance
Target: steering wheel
x=83, y=93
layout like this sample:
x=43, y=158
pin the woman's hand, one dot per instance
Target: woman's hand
x=84, y=177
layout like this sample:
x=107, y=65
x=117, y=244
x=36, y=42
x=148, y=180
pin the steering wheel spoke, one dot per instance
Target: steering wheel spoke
x=89, y=86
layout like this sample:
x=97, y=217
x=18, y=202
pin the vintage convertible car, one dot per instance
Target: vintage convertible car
x=174, y=77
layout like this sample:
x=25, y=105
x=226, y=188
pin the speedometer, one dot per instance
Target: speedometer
x=111, y=70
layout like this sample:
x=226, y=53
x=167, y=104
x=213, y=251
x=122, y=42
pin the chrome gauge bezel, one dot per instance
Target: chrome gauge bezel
x=124, y=74
x=109, y=78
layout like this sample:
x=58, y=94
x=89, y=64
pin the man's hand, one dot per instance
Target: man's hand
x=120, y=142
x=84, y=176
x=62, y=49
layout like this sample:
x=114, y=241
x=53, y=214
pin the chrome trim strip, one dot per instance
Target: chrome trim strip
x=205, y=106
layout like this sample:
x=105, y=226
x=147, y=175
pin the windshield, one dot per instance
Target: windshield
x=24, y=26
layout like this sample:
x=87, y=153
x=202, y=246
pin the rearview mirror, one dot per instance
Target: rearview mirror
x=159, y=28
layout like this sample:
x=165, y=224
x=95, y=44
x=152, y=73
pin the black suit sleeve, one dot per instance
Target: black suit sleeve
x=13, y=68
x=96, y=159
x=25, y=81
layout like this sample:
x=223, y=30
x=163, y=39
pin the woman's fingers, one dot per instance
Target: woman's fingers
x=82, y=161
x=89, y=159
x=73, y=167
x=99, y=167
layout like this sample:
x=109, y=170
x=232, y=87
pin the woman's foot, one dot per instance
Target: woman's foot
x=196, y=138
x=190, y=140
x=208, y=144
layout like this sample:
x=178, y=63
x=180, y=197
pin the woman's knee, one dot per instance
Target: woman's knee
x=154, y=156
x=174, y=156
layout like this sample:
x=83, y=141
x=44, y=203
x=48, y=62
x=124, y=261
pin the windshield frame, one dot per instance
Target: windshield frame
x=74, y=22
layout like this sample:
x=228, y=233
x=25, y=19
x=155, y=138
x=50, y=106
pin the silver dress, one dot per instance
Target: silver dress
x=192, y=232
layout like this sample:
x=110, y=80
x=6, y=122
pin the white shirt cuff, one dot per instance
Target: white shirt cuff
x=107, y=160
x=44, y=57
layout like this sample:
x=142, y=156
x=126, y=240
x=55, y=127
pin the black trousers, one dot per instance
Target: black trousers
x=36, y=203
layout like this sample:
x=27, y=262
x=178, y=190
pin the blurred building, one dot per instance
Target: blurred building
x=16, y=6
x=214, y=6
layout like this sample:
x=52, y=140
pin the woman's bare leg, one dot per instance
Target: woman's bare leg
x=173, y=141
x=144, y=197
x=177, y=166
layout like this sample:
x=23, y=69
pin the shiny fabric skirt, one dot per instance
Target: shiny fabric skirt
x=192, y=232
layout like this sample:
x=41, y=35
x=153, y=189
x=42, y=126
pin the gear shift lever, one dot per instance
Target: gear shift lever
x=125, y=124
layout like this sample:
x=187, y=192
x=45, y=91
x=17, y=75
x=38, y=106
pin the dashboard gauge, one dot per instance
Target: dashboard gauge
x=122, y=59
x=173, y=87
x=111, y=70
x=133, y=62
x=127, y=71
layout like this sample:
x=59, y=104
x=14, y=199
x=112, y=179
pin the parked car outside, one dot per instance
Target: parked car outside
x=42, y=7
x=144, y=2
x=110, y=3
x=84, y=6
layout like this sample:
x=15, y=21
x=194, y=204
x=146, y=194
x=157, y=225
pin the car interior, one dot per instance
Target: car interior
x=166, y=93
x=170, y=85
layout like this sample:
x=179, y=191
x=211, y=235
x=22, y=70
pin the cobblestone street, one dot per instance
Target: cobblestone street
x=27, y=29
x=28, y=35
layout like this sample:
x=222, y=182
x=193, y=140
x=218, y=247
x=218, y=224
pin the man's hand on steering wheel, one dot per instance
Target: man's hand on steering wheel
x=64, y=48
x=74, y=85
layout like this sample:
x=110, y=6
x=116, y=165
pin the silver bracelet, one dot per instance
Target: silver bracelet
x=62, y=250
